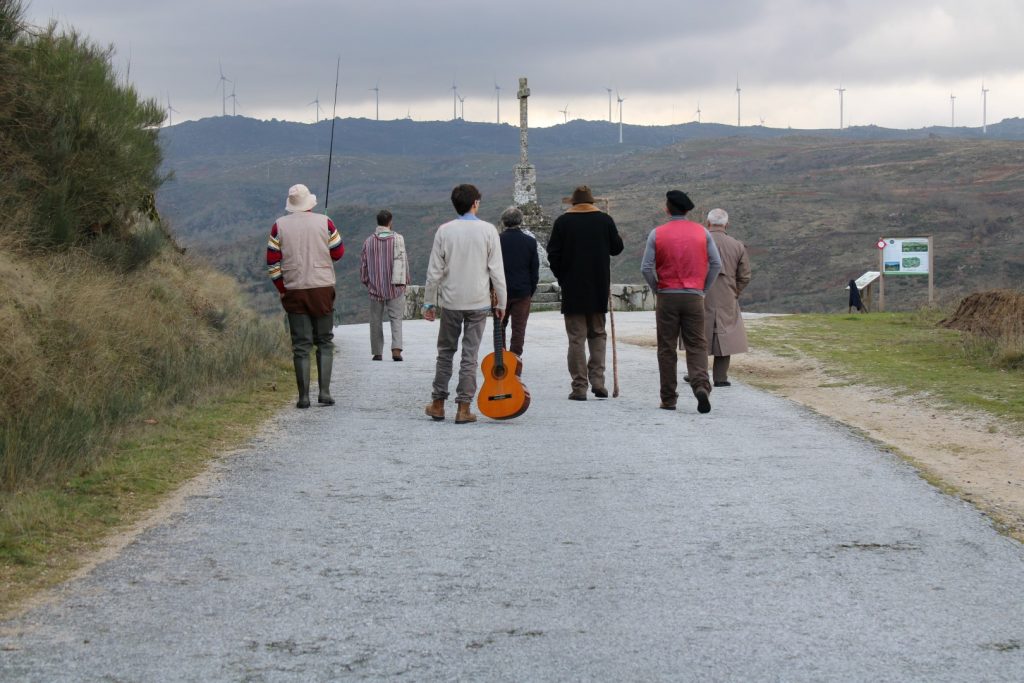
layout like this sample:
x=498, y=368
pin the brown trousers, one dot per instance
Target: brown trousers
x=518, y=312
x=681, y=315
x=586, y=329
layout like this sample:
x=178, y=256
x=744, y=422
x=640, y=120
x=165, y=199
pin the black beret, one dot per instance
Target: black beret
x=679, y=201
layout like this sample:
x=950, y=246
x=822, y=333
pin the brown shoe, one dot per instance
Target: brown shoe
x=667, y=406
x=463, y=415
x=377, y=357
x=396, y=354
x=436, y=409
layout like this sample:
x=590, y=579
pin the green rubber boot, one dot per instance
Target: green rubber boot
x=324, y=362
x=302, y=380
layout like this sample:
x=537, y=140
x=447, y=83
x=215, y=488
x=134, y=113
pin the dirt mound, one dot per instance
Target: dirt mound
x=997, y=313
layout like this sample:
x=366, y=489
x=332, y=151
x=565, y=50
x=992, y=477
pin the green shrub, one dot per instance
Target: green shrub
x=83, y=156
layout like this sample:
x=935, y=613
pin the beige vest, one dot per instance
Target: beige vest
x=305, y=257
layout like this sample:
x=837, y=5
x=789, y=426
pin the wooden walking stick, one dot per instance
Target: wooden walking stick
x=615, y=355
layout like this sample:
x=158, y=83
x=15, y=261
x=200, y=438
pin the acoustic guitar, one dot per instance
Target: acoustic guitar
x=503, y=395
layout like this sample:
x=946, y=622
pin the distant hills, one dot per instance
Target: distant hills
x=230, y=135
x=810, y=204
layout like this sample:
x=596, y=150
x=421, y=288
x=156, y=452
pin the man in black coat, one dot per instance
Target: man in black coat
x=582, y=241
x=522, y=271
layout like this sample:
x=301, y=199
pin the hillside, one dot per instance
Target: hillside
x=810, y=206
x=102, y=319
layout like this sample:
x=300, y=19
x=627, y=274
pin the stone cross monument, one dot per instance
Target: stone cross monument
x=525, y=193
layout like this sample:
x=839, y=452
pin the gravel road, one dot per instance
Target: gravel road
x=600, y=540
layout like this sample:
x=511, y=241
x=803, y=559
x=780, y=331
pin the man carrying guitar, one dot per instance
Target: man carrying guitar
x=465, y=264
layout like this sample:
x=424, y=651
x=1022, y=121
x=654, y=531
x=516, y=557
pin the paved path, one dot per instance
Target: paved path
x=605, y=540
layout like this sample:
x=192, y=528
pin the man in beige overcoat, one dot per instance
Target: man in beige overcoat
x=723, y=324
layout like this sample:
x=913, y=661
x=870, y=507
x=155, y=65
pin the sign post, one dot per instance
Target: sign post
x=931, y=272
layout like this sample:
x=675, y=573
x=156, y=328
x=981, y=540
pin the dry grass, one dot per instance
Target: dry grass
x=84, y=350
x=995, y=321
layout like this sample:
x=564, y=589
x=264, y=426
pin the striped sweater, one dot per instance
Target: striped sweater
x=376, y=266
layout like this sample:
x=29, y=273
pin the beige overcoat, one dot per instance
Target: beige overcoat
x=723, y=325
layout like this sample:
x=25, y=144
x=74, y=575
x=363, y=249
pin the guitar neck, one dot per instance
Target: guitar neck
x=499, y=343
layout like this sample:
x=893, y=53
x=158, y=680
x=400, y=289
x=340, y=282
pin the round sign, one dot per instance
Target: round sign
x=880, y=244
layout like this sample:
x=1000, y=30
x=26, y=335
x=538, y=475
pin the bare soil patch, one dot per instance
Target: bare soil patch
x=994, y=314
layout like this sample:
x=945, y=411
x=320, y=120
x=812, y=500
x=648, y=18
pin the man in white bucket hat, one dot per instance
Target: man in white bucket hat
x=300, y=259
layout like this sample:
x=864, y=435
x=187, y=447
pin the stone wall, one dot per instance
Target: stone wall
x=548, y=298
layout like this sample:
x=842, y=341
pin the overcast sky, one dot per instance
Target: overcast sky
x=899, y=60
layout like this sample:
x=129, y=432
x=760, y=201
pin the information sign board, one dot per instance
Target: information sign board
x=905, y=256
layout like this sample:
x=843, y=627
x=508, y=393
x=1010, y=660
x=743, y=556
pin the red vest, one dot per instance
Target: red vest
x=681, y=255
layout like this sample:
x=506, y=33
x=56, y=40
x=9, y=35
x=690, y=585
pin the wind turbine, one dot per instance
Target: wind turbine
x=376, y=92
x=455, y=97
x=170, y=110
x=738, y=124
x=223, y=90
x=952, y=110
x=497, y=100
x=316, y=101
x=620, y=100
x=698, y=111
x=565, y=113
x=984, y=108
x=462, y=107
x=840, y=90
x=609, y=105
x=234, y=100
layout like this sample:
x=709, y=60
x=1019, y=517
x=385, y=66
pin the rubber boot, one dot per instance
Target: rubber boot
x=463, y=414
x=324, y=362
x=436, y=409
x=302, y=380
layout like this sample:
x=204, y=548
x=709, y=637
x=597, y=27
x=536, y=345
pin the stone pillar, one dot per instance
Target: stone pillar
x=525, y=192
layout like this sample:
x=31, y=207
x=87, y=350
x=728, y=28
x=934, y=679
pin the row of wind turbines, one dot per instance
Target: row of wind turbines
x=459, y=100
x=222, y=85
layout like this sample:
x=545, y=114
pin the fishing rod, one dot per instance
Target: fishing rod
x=334, y=117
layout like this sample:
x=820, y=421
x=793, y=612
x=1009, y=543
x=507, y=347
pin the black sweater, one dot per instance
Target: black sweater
x=522, y=267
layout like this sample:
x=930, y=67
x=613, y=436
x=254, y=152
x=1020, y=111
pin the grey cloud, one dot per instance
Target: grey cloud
x=285, y=51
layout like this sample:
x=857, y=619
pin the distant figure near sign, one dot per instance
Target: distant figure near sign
x=855, y=301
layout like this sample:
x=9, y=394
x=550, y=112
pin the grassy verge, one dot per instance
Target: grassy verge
x=906, y=352
x=45, y=531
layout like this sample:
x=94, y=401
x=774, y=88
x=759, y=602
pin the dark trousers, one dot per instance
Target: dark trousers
x=307, y=330
x=720, y=371
x=518, y=311
x=681, y=315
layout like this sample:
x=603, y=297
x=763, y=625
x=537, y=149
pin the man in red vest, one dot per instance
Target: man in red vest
x=680, y=264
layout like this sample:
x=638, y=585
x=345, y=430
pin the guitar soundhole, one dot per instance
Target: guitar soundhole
x=498, y=373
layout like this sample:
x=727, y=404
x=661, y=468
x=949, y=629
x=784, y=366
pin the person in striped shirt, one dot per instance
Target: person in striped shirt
x=301, y=252
x=384, y=271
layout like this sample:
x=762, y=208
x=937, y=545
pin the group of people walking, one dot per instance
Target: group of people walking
x=697, y=272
